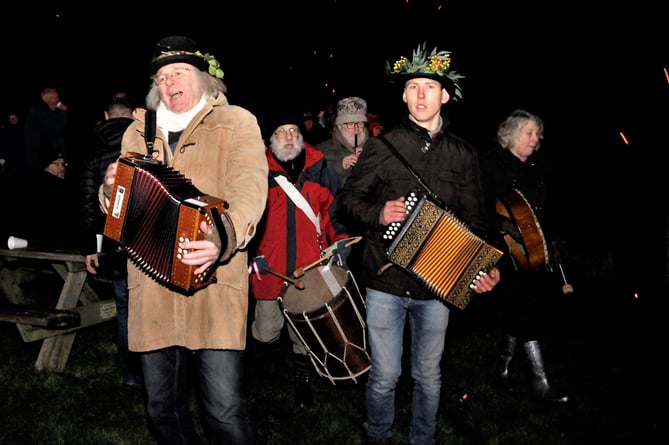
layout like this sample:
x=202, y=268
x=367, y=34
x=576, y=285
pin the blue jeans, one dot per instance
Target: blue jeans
x=128, y=361
x=219, y=376
x=428, y=320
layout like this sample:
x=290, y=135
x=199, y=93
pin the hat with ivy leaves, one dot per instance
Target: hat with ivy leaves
x=434, y=65
x=179, y=49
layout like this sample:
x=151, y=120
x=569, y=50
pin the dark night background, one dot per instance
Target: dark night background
x=590, y=72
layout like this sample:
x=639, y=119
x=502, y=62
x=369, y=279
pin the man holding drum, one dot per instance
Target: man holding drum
x=298, y=225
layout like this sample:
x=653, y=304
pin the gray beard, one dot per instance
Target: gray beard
x=277, y=148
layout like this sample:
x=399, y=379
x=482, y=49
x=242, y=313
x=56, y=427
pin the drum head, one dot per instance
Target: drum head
x=321, y=285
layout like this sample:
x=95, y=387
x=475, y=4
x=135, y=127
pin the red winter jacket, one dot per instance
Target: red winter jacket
x=286, y=236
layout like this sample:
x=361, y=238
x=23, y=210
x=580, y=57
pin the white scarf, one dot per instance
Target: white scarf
x=168, y=121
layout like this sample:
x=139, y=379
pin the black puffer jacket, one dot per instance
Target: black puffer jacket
x=448, y=165
x=108, y=134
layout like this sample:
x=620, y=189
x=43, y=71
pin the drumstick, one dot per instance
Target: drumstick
x=567, y=288
x=261, y=262
x=297, y=283
x=301, y=270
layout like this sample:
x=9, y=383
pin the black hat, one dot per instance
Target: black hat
x=178, y=49
x=49, y=155
x=277, y=118
x=435, y=65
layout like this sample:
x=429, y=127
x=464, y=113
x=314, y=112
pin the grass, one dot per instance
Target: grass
x=608, y=354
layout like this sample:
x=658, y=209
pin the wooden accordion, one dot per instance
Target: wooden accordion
x=153, y=208
x=440, y=250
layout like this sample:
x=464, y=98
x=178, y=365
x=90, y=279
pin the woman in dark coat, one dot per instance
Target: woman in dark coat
x=518, y=176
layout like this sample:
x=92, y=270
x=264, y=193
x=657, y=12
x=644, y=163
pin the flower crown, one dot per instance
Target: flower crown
x=214, y=67
x=433, y=64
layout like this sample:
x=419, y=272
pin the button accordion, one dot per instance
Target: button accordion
x=439, y=250
x=153, y=208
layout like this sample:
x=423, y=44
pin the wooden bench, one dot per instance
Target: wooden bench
x=78, y=305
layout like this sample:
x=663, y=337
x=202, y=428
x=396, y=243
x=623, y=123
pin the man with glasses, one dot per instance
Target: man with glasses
x=289, y=238
x=348, y=135
x=49, y=208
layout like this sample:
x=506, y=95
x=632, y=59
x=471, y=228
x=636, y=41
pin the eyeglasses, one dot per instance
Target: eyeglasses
x=351, y=125
x=60, y=163
x=283, y=132
x=176, y=73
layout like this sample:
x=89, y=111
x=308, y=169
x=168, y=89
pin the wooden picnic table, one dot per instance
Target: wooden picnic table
x=78, y=305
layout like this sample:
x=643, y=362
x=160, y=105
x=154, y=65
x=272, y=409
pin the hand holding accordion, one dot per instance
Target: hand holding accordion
x=440, y=250
x=153, y=208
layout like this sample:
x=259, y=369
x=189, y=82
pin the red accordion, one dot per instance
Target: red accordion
x=153, y=208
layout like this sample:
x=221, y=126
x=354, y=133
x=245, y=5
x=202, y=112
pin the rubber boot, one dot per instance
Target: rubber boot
x=508, y=351
x=303, y=377
x=540, y=385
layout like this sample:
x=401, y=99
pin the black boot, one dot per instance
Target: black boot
x=303, y=377
x=508, y=351
x=540, y=385
x=264, y=359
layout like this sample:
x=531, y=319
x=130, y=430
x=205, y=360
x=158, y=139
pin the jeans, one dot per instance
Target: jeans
x=428, y=320
x=128, y=361
x=219, y=376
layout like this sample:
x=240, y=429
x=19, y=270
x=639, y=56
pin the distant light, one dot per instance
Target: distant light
x=666, y=74
x=624, y=138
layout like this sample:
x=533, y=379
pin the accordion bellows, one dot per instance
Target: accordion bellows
x=153, y=208
x=440, y=250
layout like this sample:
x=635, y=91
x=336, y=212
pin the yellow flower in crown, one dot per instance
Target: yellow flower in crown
x=434, y=65
x=214, y=67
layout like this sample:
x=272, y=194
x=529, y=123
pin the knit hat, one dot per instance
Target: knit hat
x=49, y=155
x=351, y=109
x=179, y=49
x=277, y=118
x=435, y=65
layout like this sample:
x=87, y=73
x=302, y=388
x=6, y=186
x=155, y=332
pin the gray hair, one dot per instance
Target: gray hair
x=507, y=132
x=210, y=85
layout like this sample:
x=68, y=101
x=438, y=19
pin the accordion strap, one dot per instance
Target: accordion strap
x=149, y=131
x=413, y=171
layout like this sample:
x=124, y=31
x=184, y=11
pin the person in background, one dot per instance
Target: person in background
x=288, y=238
x=12, y=150
x=348, y=136
x=198, y=340
x=45, y=128
x=341, y=151
x=374, y=124
x=528, y=302
x=314, y=132
x=105, y=148
x=47, y=206
x=374, y=193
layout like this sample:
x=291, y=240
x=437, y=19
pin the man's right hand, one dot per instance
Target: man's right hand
x=92, y=263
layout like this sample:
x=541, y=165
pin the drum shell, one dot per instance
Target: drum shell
x=330, y=326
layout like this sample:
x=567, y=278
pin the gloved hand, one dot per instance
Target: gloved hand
x=341, y=252
x=259, y=263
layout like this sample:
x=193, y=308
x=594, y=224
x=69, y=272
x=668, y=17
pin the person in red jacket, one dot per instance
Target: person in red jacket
x=289, y=238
